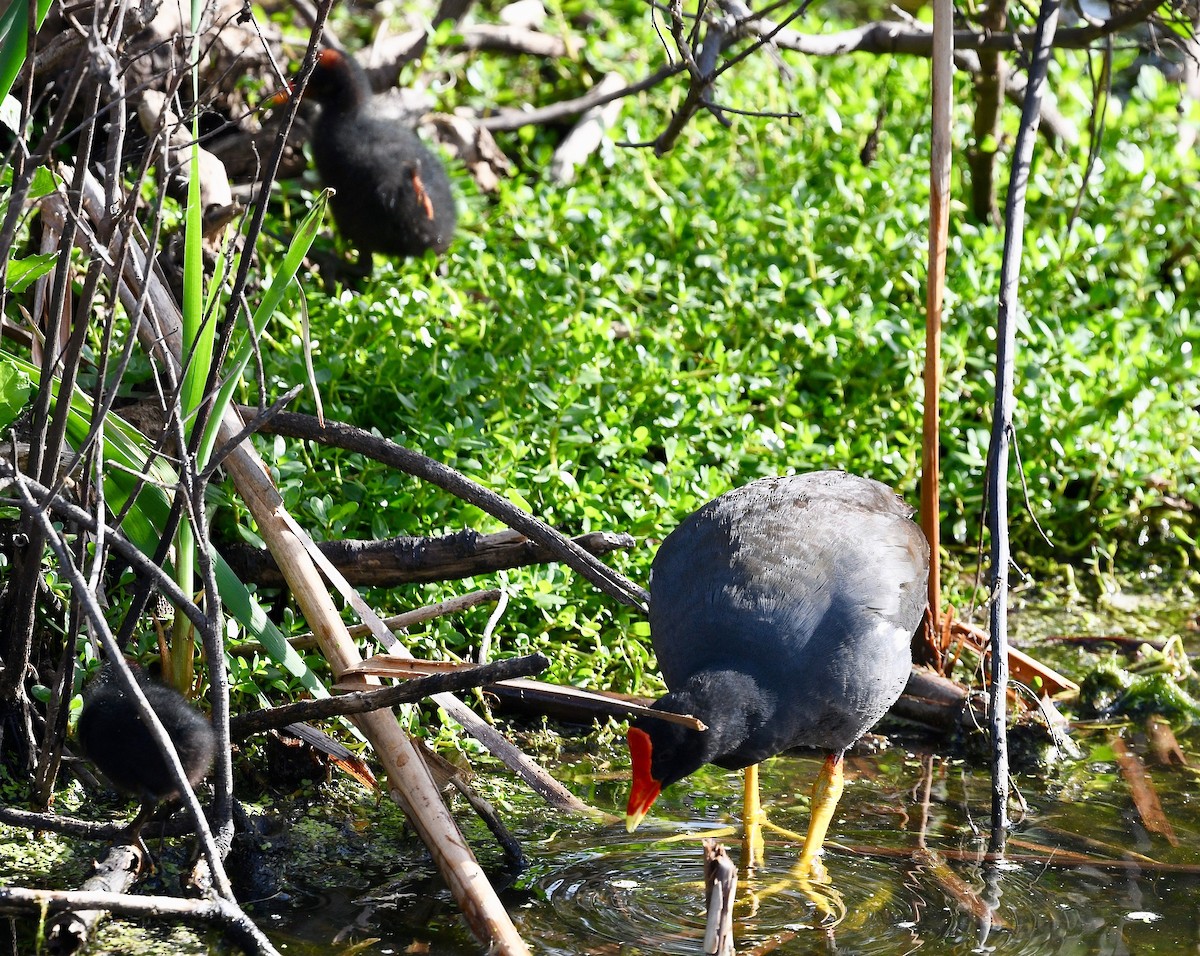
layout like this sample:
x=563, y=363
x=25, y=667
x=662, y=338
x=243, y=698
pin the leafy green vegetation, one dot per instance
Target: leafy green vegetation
x=616, y=352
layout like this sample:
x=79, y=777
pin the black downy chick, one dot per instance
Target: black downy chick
x=392, y=194
x=113, y=736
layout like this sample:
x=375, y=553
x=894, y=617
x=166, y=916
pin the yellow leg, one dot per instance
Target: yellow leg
x=752, y=821
x=826, y=793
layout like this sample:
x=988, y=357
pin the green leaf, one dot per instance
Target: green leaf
x=297, y=250
x=198, y=334
x=15, y=389
x=22, y=273
x=14, y=39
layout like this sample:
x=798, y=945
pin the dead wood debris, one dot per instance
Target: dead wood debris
x=1142, y=790
x=406, y=560
x=720, y=893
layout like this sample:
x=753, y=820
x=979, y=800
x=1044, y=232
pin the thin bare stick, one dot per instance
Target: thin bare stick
x=19, y=901
x=363, y=702
x=341, y=435
x=1002, y=429
x=399, y=622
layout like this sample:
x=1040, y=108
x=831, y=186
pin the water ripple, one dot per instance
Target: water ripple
x=637, y=897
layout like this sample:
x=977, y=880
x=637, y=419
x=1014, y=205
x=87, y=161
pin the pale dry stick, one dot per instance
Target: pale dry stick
x=420, y=615
x=720, y=891
x=587, y=134
x=407, y=692
x=409, y=782
x=515, y=759
x=71, y=930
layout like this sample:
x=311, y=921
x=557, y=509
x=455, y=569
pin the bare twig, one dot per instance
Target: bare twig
x=363, y=702
x=72, y=929
x=341, y=435
x=399, y=622
x=18, y=901
x=1142, y=790
x=406, y=560
x=720, y=892
x=1002, y=431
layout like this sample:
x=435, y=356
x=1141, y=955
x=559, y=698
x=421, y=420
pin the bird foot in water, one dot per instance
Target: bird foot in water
x=814, y=884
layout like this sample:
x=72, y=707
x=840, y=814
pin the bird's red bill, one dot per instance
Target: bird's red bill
x=645, y=789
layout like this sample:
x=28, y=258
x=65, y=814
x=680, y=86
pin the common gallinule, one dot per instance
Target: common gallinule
x=781, y=614
x=112, y=735
x=392, y=194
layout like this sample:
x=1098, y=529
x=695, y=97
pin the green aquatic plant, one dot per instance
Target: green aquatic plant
x=1155, y=683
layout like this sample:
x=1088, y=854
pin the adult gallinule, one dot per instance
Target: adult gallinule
x=392, y=194
x=781, y=614
x=113, y=736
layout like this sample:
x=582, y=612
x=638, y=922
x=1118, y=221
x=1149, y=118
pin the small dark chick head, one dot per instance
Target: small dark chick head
x=338, y=82
x=113, y=736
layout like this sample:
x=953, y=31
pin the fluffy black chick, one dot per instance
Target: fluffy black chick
x=113, y=736
x=392, y=194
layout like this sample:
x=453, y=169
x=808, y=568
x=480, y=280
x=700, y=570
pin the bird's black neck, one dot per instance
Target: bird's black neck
x=344, y=87
x=731, y=703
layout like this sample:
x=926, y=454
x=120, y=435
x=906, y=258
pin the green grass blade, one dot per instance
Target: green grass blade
x=298, y=248
x=197, y=334
x=14, y=40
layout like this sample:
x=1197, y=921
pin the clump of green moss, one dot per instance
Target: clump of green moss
x=1155, y=683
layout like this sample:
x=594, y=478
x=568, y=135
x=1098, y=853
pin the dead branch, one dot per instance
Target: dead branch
x=720, y=891
x=1055, y=127
x=57, y=823
x=72, y=930
x=894, y=37
x=406, y=560
x=933, y=863
x=222, y=914
x=587, y=134
x=1161, y=740
x=502, y=38
x=880, y=37
x=397, y=622
x=363, y=702
x=1142, y=790
x=341, y=435
x=515, y=119
x=928, y=699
